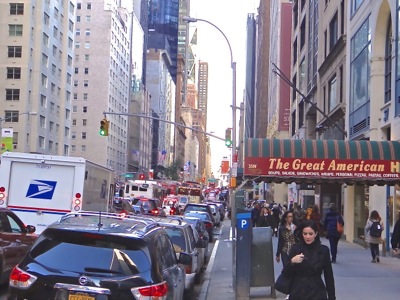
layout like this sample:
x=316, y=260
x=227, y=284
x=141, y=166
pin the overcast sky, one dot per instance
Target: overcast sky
x=230, y=16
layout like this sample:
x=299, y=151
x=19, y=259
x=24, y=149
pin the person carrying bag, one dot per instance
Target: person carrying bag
x=331, y=221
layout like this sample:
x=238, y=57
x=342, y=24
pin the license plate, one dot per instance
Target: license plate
x=80, y=297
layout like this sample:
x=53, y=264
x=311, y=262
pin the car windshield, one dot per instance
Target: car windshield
x=86, y=252
x=196, y=208
x=203, y=217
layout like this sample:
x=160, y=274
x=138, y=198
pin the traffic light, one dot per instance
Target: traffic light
x=141, y=176
x=228, y=137
x=104, y=127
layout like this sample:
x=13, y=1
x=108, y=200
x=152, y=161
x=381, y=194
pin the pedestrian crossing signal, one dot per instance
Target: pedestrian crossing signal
x=104, y=127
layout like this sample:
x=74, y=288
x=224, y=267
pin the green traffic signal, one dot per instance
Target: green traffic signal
x=228, y=137
x=104, y=127
x=228, y=143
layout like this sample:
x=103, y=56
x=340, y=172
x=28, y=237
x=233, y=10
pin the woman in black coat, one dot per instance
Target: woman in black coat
x=330, y=226
x=308, y=260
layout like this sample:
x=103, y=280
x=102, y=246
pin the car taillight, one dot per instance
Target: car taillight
x=188, y=269
x=150, y=292
x=208, y=225
x=154, y=211
x=21, y=279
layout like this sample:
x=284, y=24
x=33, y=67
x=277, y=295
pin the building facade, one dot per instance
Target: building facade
x=37, y=69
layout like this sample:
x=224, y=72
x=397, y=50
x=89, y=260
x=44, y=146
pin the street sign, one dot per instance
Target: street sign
x=234, y=169
x=128, y=175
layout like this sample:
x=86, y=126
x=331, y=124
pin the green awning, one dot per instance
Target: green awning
x=360, y=161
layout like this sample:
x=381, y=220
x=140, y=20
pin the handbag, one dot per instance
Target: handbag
x=339, y=227
x=283, y=283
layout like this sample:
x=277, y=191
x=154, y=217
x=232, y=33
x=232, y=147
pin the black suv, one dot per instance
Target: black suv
x=100, y=256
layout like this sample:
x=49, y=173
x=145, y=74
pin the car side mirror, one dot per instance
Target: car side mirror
x=30, y=228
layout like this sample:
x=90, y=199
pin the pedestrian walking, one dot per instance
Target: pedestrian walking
x=266, y=219
x=316, y=217
x=276, y=213
x=255, y=212
x=373, y=234
x=299, y=214
x=286, y=237
x=395, y=240
x=308, y=260
x=330, y=226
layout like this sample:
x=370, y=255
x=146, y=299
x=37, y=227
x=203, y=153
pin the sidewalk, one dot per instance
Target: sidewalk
x=355, y=276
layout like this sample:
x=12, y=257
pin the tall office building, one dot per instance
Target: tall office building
x=37, y=67
x=101, y=82
x=163, y=29
x=202, y=88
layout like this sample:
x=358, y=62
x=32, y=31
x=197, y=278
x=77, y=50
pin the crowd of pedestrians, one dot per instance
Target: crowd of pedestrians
x=304, y=259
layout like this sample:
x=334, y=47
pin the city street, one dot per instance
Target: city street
x=355, y=276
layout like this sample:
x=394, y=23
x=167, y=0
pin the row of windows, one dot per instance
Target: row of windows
x=85, y=96
x=87, y=18
x=86, y=70
x=88, y=6
x=16, y=8
x=78, y=32
x=13, y=73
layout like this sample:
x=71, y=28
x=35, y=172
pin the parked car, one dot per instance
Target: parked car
x=15, y=240
x=220, y=207
x=201, y=229
x=200, y=207
x=150, y=206
x=215, y=214
x=90, y=255
x=185, y=239
x=206, y=218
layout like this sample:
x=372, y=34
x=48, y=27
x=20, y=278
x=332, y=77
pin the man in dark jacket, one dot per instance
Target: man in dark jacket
x=395, y=240
x=330, y=227
x=255, y=213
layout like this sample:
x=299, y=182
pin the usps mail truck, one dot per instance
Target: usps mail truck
x=41, y=188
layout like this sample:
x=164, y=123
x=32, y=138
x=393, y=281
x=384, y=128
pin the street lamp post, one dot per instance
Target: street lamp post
x=233, y=154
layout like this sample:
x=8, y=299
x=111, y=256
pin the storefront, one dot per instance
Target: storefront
x=356, y=175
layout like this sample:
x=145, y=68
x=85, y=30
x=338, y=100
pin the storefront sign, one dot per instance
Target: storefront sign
x=322, y=168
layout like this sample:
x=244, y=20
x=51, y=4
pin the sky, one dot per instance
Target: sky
x=230, y=16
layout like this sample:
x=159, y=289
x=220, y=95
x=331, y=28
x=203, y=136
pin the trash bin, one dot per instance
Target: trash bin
x=262, y=259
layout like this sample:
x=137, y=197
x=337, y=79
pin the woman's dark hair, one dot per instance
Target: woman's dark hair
x=374, y=215
x=305, y=224
x=284, y=217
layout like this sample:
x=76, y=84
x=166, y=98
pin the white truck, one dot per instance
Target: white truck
x=41, y=188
